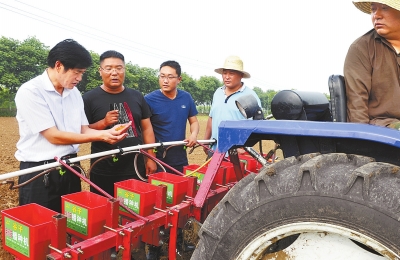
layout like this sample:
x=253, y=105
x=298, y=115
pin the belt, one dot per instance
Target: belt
x=68, y=156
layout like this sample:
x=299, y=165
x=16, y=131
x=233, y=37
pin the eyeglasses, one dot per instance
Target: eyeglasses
x=108, y=70
x=163, y=77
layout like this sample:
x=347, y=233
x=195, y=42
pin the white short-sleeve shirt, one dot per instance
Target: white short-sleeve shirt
x=39, y=107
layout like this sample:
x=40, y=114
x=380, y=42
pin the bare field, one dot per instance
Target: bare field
x=9, y=137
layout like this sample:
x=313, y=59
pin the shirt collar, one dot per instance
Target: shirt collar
x=48, y=85
x=383, y=40
x=239, y=90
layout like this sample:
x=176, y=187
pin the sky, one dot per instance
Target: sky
x=283, y=44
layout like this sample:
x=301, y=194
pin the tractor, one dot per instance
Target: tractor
x=334, y=195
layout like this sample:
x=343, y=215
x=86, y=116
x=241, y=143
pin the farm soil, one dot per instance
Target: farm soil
x=9, y=198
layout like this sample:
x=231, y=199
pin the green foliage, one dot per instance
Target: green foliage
x=143, y=79
x=265, y=98
x=7, y=98
x=187, y=83
x=19, y=62
x=91, y=79
x=22, y=61
x=132, y=75
x=206, y=87
x=148, y=80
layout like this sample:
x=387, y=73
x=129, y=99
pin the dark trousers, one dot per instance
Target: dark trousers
x=47, y=194
x=105, y=176
x=106, y=182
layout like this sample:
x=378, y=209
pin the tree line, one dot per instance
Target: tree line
x=21, y=61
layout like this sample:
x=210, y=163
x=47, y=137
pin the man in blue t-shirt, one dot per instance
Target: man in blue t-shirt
x=171, y=108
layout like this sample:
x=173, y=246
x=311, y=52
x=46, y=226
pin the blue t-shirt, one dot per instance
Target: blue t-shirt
x=169, y=117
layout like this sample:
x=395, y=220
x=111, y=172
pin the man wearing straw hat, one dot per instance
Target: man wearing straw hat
x=223, y=105
x=371, y=69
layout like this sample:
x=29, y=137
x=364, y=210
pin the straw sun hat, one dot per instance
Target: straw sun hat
x=365, y=6
x=233, y=63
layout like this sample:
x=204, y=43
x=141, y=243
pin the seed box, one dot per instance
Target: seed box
x=200, y=173
x=26, y=231
x=137, y=195
x=86, y=213
x=176, y=186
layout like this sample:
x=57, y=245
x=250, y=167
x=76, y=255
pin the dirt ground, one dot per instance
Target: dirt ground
x=9, y=137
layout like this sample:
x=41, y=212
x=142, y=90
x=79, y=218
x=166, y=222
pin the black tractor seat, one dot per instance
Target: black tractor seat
x=337, y=103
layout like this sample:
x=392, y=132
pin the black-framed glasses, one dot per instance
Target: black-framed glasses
x=108, y=70
x=169, y=77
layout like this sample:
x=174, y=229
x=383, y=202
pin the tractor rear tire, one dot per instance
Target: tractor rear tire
x=340, y=190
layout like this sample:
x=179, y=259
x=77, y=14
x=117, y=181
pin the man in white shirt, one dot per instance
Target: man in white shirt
x=52, y=122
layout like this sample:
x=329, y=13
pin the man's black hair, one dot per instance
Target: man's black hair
x=172, y=64
x=111, y=54
x=71, y=54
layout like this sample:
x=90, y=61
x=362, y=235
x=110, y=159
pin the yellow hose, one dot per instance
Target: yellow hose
x=201, y=166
